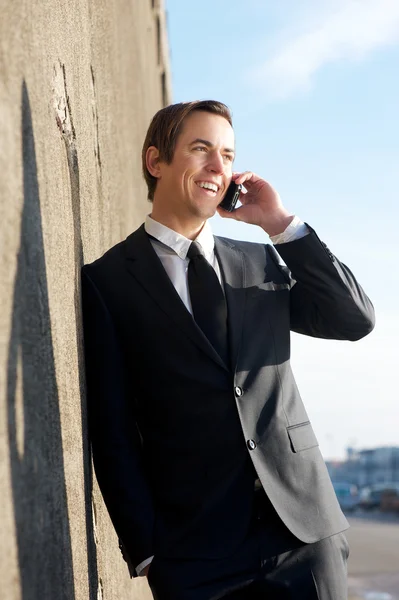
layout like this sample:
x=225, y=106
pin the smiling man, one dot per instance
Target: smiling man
x=202, y=447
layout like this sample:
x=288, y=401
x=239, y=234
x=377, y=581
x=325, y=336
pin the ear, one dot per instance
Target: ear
x=153, y=162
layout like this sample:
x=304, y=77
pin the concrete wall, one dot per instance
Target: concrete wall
x=79, y=82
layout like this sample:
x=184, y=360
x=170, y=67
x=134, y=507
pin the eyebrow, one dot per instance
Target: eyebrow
x=210, y=145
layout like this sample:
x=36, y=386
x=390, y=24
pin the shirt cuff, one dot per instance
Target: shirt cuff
x=143, y=565
x=295, y=230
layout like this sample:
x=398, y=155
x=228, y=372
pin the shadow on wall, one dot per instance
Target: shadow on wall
x=34, y=426
x=37, y=464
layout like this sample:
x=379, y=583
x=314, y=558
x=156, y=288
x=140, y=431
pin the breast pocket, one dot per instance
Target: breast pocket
x=271, y=286
x=302, y=436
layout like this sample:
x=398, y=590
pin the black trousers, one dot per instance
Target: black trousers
x=271, y=564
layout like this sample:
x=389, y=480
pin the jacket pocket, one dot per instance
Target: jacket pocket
x=302, y=436
x=271, y=286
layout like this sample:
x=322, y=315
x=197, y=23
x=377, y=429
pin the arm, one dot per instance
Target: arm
x=326, y=300
x=115, y=438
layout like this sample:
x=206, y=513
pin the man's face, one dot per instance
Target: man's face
x=194, y=183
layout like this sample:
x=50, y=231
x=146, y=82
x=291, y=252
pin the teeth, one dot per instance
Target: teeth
x=208, y=186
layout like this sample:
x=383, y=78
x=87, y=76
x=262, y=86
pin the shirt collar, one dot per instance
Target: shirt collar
x=178, y=242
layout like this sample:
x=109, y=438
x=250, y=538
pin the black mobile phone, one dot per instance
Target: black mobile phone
x=231, y=197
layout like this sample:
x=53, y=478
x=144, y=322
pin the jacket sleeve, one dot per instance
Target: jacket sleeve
x=115, y=437
x=326, y=301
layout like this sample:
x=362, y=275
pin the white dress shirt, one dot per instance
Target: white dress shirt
x=172, y=247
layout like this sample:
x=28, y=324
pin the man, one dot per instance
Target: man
x=202, y=447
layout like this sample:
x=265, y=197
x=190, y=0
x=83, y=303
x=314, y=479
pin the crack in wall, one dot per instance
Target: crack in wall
x=95, y=119
x=97, y=154
x=100, y=590
x=63, y=115
x=61, y=104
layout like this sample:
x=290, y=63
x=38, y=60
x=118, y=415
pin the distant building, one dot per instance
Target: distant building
x=365, y=467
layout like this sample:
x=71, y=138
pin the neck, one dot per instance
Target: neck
x=190, y=228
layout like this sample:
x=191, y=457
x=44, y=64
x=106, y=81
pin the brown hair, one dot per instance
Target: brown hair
x=165, y=128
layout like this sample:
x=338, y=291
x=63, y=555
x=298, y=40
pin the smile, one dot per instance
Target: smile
x=207, y=185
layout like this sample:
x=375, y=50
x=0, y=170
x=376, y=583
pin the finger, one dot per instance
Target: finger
x=234, y=214
x=248, y=178
x=244, y=198
x=224, y=213
x=234, y=176
x=241, y=177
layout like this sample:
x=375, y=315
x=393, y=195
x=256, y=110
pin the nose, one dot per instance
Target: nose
x=215, y=163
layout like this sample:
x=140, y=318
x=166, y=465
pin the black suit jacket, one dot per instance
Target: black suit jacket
x=176, y=435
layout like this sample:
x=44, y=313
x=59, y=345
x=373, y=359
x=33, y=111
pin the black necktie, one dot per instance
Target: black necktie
x=207, y=300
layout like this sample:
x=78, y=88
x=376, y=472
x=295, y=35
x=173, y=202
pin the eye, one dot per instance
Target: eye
x=229, y=157
x=200, y=148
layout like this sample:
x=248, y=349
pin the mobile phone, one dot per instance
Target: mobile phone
x=231, y=197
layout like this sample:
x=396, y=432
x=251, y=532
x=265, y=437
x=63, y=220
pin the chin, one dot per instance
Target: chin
x=204, y=211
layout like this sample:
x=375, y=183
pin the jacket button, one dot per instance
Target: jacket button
x=251, y=444
x=238, y=391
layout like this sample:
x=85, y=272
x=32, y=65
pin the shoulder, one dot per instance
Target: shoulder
x=114, y=258
x=108, y=273
x=105, y=268
x=260, y=260
x=111, y=255
x=250, y=249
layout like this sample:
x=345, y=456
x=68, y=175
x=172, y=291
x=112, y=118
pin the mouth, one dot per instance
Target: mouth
x=210, y=188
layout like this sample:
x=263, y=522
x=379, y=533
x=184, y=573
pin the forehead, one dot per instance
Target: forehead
x=208, y=126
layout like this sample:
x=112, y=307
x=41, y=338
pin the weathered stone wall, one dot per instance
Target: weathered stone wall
x=79, y=82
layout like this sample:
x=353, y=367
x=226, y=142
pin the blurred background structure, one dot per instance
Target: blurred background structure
x=367, y=467
x=79, y=83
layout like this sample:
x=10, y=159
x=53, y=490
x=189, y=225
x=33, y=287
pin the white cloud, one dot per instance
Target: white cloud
x=340, y=30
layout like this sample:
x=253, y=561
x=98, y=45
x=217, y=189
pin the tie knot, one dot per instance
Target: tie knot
x=194, y=250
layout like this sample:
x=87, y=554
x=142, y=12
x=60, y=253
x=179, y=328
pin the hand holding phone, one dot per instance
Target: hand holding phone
x=231, y=197
x=261, y=204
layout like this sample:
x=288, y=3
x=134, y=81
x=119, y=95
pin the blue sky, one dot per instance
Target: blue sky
x=314, y=90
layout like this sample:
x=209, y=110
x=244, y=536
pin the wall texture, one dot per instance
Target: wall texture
x=79, y=82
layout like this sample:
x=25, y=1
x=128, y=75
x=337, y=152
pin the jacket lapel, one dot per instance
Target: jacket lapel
x=143, y=263
x=231, y=261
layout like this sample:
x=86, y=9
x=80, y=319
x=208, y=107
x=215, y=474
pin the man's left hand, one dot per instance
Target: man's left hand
x=261, y=205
